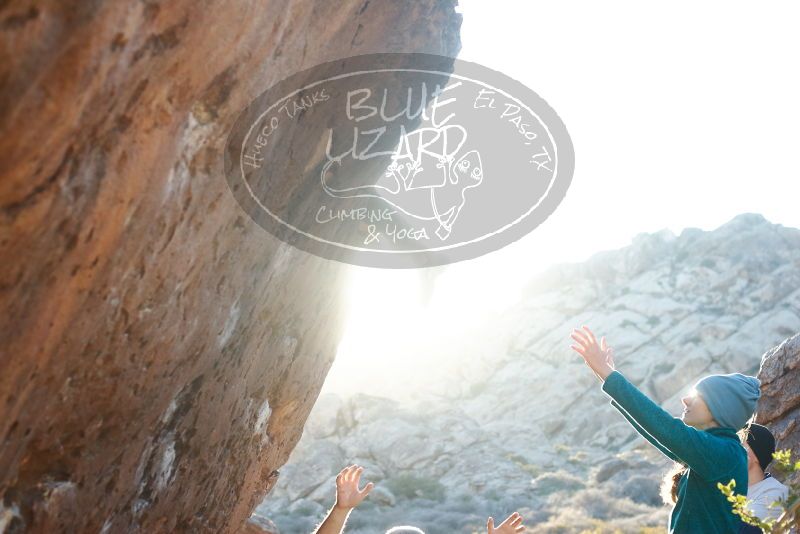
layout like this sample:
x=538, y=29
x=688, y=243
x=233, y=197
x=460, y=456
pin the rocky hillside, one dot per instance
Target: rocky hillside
x=160, y=352
x=525, y=425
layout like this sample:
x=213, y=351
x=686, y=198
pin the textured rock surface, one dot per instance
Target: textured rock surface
x=524, y=425
x=779, y=407
x=160, y=353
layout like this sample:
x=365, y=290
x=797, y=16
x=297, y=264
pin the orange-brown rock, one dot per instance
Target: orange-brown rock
x=159, y=352
x=259, y=525
x=779, y=405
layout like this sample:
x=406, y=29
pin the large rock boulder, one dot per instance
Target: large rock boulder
x=779, y=406
x=160, y=353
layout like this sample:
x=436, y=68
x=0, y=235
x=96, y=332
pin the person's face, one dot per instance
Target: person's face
x=695, y=411
x=751, y=457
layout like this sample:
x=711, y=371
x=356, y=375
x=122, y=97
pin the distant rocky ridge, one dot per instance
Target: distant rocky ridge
x=530, y=428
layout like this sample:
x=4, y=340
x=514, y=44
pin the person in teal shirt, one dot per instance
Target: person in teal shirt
x=704, y=439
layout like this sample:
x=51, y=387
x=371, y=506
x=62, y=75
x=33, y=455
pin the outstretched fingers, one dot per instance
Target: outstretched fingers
x=587, y=342
x=345, y=475
x=356, y=480
x=513, y=523
x=340, y=476
x=360, y=494
x=348, y=494
x=590, y=333
x=580, y=337
x=583, y=344
x=356, y=475
x=366, y=489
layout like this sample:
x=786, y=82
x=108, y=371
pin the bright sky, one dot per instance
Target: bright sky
x=682, y=114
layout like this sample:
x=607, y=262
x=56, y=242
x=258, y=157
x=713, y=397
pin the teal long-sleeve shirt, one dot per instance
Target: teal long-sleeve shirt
x=712, y=455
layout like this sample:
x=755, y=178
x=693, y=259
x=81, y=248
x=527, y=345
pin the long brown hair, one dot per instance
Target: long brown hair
x=669, y=485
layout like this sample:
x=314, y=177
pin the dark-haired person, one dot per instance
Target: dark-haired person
x=704, y=441
x=763, y=489
x=348, y=496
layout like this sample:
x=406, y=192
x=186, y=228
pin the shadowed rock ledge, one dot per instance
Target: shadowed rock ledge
x=160, y=353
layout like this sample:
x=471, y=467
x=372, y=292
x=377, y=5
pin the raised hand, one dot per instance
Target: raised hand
x=512, y=525
x=600, y=358
x=347, y=493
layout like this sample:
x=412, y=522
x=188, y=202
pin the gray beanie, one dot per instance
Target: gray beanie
x=730, y=398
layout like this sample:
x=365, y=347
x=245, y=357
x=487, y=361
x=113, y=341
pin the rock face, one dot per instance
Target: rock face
x=530, y=429
x=779, y=406
x=160, y=353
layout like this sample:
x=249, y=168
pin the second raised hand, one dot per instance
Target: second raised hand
x=598, y=357
x=348, y=495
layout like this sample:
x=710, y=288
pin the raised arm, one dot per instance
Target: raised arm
x=642, y=432
x=696, y=448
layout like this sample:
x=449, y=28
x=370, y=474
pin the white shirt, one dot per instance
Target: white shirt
x=761, y=494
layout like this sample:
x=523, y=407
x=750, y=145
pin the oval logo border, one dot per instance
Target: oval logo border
x=403, y=259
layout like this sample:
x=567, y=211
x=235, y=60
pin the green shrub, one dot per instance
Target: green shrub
x=412, y=487
x=556, y=481
x=522, y=463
